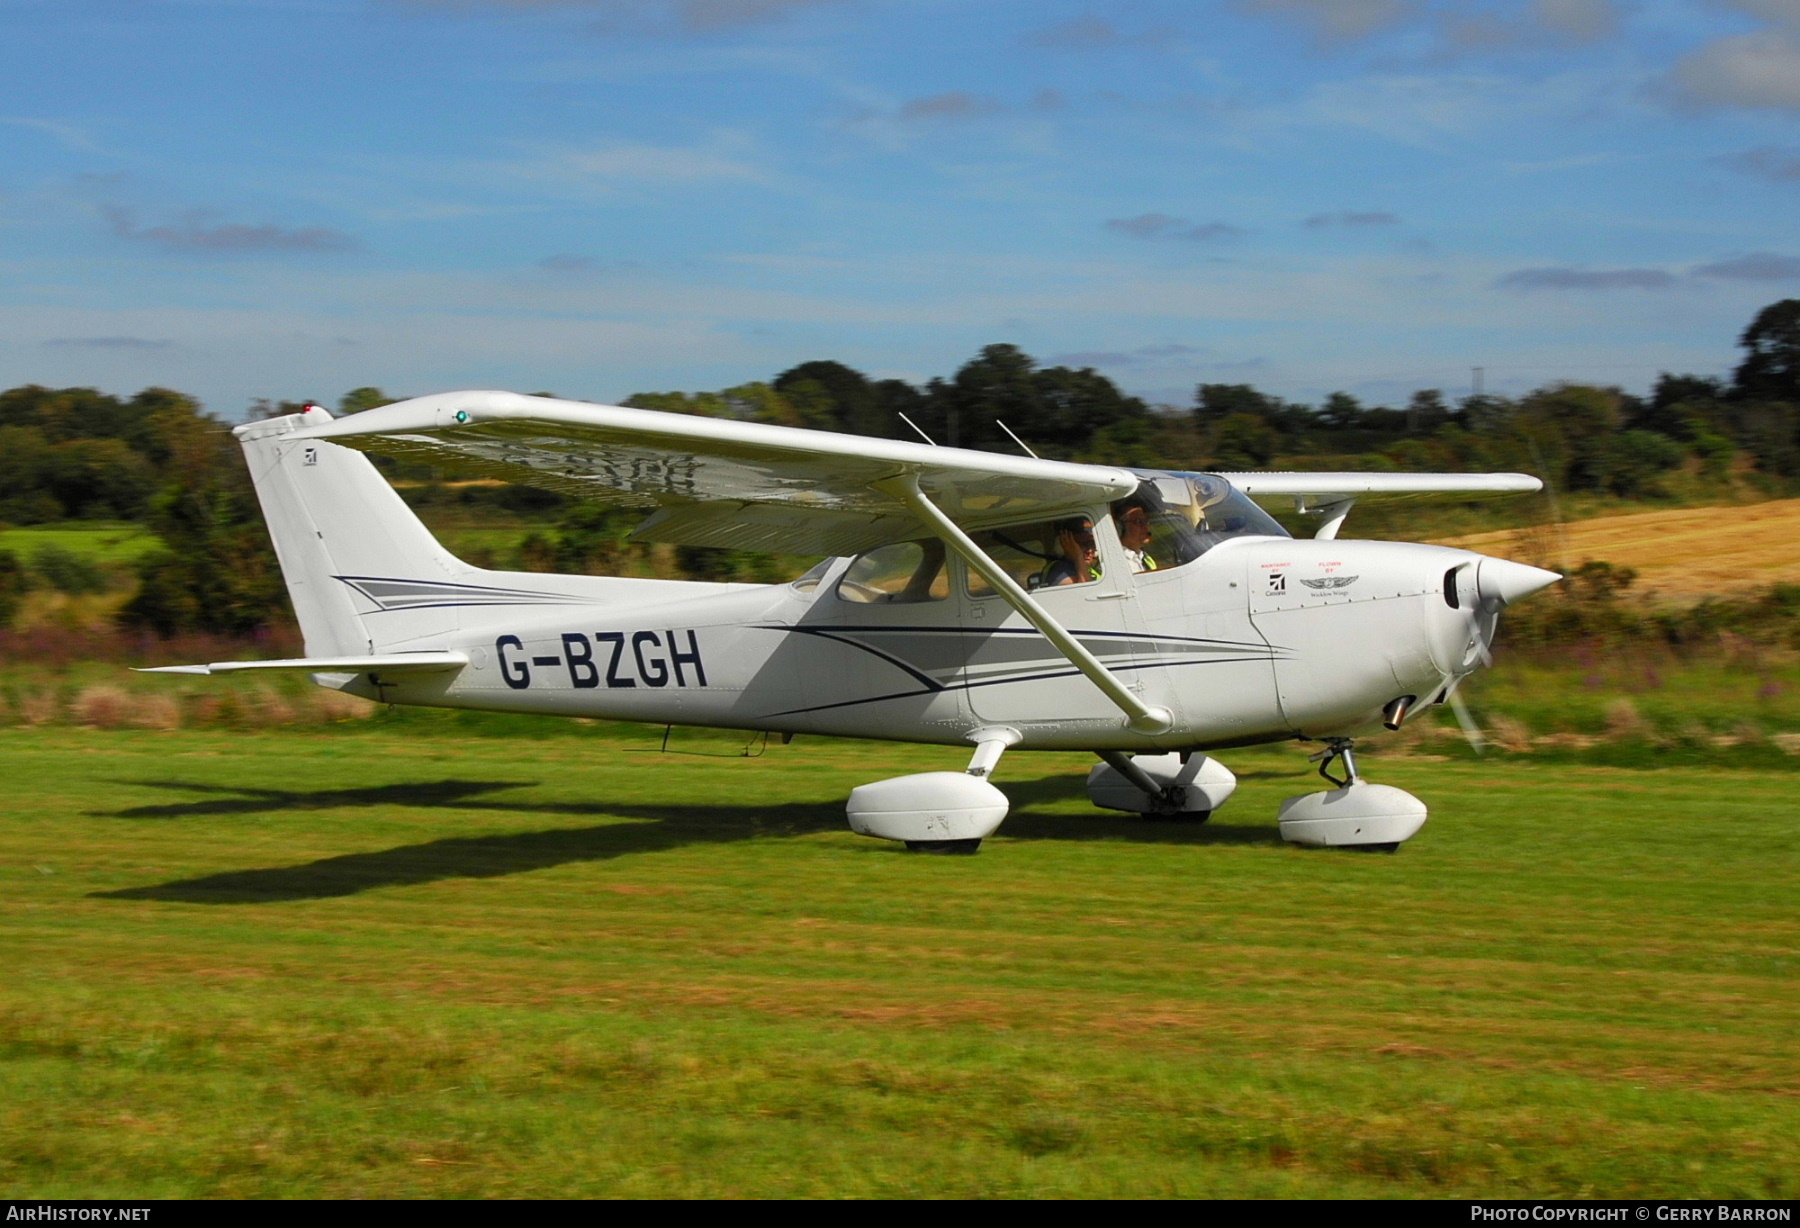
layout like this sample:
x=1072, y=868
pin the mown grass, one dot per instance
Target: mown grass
x=103, y=541
x=411, y=960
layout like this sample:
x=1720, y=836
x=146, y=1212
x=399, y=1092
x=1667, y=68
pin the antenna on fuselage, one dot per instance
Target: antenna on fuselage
x=915, y=426
x=1017, y=440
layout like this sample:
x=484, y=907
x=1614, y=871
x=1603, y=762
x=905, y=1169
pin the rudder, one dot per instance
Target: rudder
x=334, y=519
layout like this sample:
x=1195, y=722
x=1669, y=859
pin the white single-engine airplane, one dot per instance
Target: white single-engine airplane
x=999, y=602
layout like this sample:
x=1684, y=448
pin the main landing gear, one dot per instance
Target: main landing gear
x=937, y=812
x=1186, y=787
x=1353, y=815
x=953, y=812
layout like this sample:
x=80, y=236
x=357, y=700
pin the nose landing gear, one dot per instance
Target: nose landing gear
x=1354, y=814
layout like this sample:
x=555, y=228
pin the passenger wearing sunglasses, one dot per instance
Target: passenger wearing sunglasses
x=1081, y=559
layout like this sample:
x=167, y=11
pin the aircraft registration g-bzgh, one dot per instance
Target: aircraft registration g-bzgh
x=998, y=602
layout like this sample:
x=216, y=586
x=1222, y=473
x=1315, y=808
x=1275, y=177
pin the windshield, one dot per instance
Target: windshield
x=1186, y=514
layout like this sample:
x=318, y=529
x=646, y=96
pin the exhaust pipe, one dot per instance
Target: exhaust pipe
x=1395, y=713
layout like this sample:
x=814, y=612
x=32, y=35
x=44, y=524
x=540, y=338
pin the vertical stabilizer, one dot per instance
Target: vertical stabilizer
x=334, y=519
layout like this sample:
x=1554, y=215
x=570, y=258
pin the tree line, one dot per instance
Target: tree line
x=160, y=459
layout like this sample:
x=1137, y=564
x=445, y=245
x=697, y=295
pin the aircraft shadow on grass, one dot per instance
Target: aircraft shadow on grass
x=632, y=828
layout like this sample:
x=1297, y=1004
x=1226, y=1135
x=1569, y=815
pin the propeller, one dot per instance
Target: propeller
x=1498, y=583
x=1471, y=731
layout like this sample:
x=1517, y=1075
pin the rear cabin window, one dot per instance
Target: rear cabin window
x=903, y=573
x=1047, y=554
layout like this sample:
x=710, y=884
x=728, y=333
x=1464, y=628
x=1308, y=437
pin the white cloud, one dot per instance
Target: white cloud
x=195, y=232
x=1424, y=109
x=585, y=172
x=656, y=164
x=1586, y=279
x=108, y=343
x=1144, y=356
x=1777, y=12
x=1579, y=21
x=1755, y=266
x=1543, y=23
x=657, y=16
x=1351, y=218
x=1336, y=20
x=955, y=104
x=1760, y=70
x=1090, y=33
x=1771, y=162
x=1163, y=226
x=70, y=136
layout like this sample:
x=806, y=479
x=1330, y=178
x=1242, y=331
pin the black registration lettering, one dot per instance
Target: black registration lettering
x=617, y=640
x=579, y=653
x=516, y=673
x=690, y=657
x=654, y=671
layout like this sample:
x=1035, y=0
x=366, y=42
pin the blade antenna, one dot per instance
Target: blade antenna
x=1017, y=440
x=915, y=426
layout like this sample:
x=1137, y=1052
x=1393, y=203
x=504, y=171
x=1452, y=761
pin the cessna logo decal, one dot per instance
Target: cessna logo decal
x=1329, y=582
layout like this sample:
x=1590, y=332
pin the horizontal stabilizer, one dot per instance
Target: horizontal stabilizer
x=397, y=663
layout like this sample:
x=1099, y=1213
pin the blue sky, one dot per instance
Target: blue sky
x=290, y=198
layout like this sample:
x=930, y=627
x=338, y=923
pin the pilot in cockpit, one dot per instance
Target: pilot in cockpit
x=1133, y=521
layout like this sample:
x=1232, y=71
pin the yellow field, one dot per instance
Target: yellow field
x=1684, y=554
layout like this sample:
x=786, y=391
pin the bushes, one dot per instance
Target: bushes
x=1595, y=605
x=107, y=706
x=67, y=572
x=14, y=583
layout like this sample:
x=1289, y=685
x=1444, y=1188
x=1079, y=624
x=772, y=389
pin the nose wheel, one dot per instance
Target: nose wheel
x=1353, y=814
x=1338, y=750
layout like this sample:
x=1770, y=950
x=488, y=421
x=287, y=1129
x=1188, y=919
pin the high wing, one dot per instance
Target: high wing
x=1332, y=495
x=718, y=482
x=1342, y=485
x=752, y=486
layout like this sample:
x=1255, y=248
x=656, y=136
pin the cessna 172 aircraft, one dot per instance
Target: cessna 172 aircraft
x=973, y=599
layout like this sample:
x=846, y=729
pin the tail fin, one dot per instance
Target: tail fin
x=338, y=527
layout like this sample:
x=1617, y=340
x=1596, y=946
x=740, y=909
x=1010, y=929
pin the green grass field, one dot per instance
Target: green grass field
x=103, y=541
x=402, y=961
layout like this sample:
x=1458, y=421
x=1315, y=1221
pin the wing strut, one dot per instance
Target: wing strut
x=1140, y=716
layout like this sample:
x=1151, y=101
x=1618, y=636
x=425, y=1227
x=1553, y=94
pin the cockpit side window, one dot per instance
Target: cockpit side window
x=1174, y=518
x=903, y=573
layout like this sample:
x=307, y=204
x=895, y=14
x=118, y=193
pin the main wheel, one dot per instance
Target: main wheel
x=963, y=847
